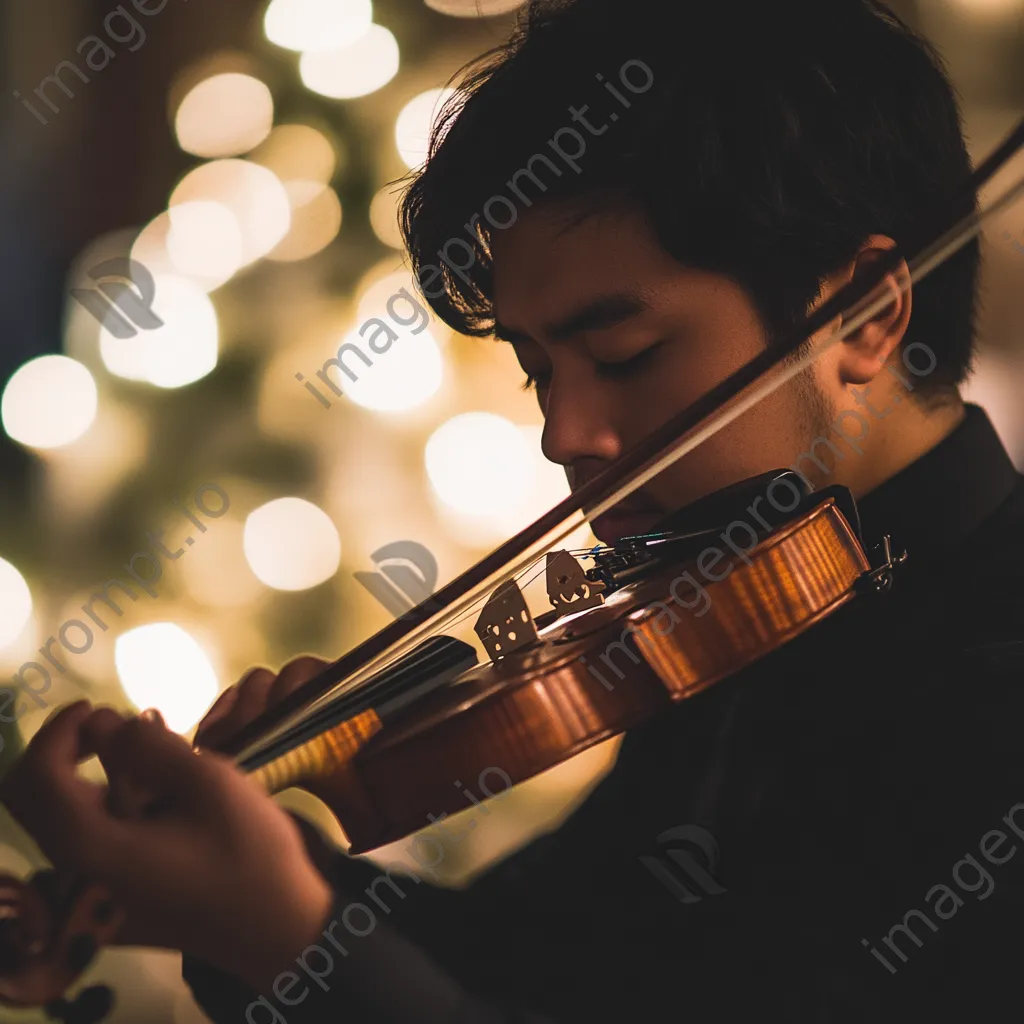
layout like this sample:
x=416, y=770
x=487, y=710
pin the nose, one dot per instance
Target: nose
x=579, y=420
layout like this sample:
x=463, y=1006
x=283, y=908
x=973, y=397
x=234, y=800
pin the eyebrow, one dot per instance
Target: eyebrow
x=607, y=311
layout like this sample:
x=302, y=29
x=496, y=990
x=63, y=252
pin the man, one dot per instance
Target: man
x=847, y=810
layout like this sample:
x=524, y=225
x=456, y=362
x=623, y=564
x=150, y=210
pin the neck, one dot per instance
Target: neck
x=909, y=428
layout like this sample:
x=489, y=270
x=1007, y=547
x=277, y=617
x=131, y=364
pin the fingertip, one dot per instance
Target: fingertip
x=75, y=709
x=154, y=716
x=61, y=724
x=97, y=727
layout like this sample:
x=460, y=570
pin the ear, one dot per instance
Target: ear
x=862, y=355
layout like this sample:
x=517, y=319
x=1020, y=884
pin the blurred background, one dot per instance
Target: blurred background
x=247, y=152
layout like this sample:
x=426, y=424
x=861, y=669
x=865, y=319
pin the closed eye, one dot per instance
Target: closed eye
x=622, y=369
x=618, y=370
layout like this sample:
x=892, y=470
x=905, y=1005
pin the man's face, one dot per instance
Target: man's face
x=619, y=338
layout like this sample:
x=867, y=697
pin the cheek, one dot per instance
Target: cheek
x=764, y=438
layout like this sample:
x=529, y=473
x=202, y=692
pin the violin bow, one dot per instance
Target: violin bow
x=930, y=245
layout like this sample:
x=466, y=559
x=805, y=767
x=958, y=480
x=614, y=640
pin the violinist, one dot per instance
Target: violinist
x=863, y=785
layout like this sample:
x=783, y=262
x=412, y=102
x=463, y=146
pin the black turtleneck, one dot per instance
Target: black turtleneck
x=835, y=834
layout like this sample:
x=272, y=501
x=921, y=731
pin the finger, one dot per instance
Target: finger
x=249, y=701
x=293, y=675
x=53, y=753
x=219, y=710
x=100, y=725
x=44, y=792
x=143, y=757
x=153, y=715
x=125, y=797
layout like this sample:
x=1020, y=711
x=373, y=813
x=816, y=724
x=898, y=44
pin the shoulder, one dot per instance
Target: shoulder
x=981, y=584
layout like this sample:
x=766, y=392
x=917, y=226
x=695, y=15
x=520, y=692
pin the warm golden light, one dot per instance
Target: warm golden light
x=204, y=242
x=49, y=402
x=474, y=8
x=291, y=544
x=217, y=575
x=297, y=152
x=405, y=375
x=311, y=25
x=15, y=603
x=479, y=463
x=412, y=129
x=161, y=666
x=363, y=66
x=150, y=247
x=989, y=10
x=183, y=350
x=384, y=217
x=251, y=192
x=316, y=221
x=549, y=486
x=225, y=115
x=382, y=297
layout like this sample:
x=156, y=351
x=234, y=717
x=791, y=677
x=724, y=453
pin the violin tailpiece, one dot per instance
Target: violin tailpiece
x=319, y=756
x=505, y=624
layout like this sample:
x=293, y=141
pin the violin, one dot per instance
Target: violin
x=394, y=721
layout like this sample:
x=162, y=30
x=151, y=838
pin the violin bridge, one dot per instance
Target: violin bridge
x=569, y=590
x=505, y=624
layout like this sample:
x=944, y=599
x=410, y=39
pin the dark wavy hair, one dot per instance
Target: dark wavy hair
x=774, y=139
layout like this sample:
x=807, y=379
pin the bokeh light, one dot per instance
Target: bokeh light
x=415, y=120
x=49, y=402
x=474, y=8
x=382, y=297
x=253, y=193
x=180, y=352
x=384, y=217
x=363, y=66
x=225, y=115
x=549, y=486
x=316, y=221
x=291, y=544
x=161, y=666
x=198, y=239
x=204, y=242
x=402, y=377
x=15, y=603
x=311, y=25
x=297, y=152
x=479, y=464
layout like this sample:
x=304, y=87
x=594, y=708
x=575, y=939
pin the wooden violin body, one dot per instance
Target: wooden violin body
x=549, y=694
x=592, y=675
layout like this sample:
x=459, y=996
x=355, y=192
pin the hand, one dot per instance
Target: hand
x=258, y=690
x=216, y=870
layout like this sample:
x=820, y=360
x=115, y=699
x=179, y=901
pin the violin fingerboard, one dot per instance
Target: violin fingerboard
x=319, y=756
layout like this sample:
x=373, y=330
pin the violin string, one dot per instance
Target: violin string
x=483, y=600
x=352, y=696
x=859, y=301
